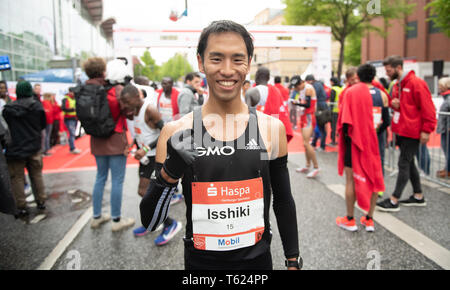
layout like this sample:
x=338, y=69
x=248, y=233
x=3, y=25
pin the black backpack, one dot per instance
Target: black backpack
x=93, y=110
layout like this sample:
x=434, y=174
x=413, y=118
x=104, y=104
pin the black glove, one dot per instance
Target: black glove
x=180, y=153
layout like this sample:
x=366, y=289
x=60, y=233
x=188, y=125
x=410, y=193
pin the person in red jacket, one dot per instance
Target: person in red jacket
x=283, y=90
x=48, y=108
x=54, y=136
x=413, y=120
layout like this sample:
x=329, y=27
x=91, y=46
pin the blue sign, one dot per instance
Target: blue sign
x=4, y=62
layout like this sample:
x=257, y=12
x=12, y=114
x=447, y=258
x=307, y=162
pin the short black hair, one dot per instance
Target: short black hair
x=366, y=73
x=277, y=79
x=262, y=75
x=129, y=91
x=191, y=76
x=393, y=61
x=222, y=26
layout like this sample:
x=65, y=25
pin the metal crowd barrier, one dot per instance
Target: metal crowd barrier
x=430, y=158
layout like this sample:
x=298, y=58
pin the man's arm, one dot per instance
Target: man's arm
x=427, y=110
x=283, y=202
x=155, y=203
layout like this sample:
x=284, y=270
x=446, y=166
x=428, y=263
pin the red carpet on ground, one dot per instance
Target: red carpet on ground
x=63, y=161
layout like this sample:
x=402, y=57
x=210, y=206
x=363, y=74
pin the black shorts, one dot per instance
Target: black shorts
x=146, y=171
x=348, y=152
x=348, y=147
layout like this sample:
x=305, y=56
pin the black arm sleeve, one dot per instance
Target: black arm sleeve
x=386, y=119
x=308, y=103
x=154, y=206
x=284, y=206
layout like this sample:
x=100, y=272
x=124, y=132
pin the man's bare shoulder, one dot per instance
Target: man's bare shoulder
x=172, y=127
x=273, y=134
x=268, y=121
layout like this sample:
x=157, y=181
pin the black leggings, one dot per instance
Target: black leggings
x=407, y=169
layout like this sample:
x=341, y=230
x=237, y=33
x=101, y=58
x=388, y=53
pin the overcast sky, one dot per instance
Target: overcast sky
x=155, y=13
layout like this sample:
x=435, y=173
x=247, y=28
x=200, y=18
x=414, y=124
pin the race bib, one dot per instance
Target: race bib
x=396, y=117
x=227, y=215
x=376, y=116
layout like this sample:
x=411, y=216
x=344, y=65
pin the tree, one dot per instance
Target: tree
x=344, y=16
x=176, y=67
x=440, y=15
x=149, y=69
x=352, y=53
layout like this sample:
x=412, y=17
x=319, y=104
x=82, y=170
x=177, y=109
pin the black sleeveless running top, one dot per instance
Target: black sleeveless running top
x=227, y=193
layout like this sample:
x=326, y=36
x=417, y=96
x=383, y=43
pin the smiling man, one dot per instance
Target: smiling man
x=231, y=159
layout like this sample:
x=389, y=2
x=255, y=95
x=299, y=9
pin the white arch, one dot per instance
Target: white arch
x=317, y=37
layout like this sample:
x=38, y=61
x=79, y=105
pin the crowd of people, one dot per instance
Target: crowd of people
x=185, y=154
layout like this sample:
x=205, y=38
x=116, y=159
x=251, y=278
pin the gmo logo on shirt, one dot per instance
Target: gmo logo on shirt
x=225, y=150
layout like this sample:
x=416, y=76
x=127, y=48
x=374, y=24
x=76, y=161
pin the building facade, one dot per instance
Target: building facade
x=32, y=33
x=413, y=38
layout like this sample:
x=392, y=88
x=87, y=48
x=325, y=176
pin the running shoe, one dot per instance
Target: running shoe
x=313, y=173
x=387, y=205
x=412, y=201
x=168, y=233
x=95, y=223
x=368, y=223
x=122, y=224
x=75, y=151
x=344, y=223
x=302, y=169
x=176, y=198
x=140, y=231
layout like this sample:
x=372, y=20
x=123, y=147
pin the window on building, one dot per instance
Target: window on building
x=411, y=29
x=432, y=28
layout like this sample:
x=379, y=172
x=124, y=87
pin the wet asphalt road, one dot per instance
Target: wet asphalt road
x=322, y=244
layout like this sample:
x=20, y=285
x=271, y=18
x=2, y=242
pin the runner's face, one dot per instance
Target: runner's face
x=225, y=65
x=167, y=85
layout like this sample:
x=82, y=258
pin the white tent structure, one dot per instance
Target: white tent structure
x=317, y=37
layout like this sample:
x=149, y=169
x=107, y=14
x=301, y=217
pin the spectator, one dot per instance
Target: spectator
x=321, y=106
x=443, y=126
x=70, y=119
x=26, y=120
x=111, y=152
x=413, y=120
x=37, y=92
x=245, y=86
x=7, y=203
x=336, y=90
x=187, y=100
x=4, y=96
x=283, y=90
x=48, y=108
x=167, y=101
x=54, y=136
